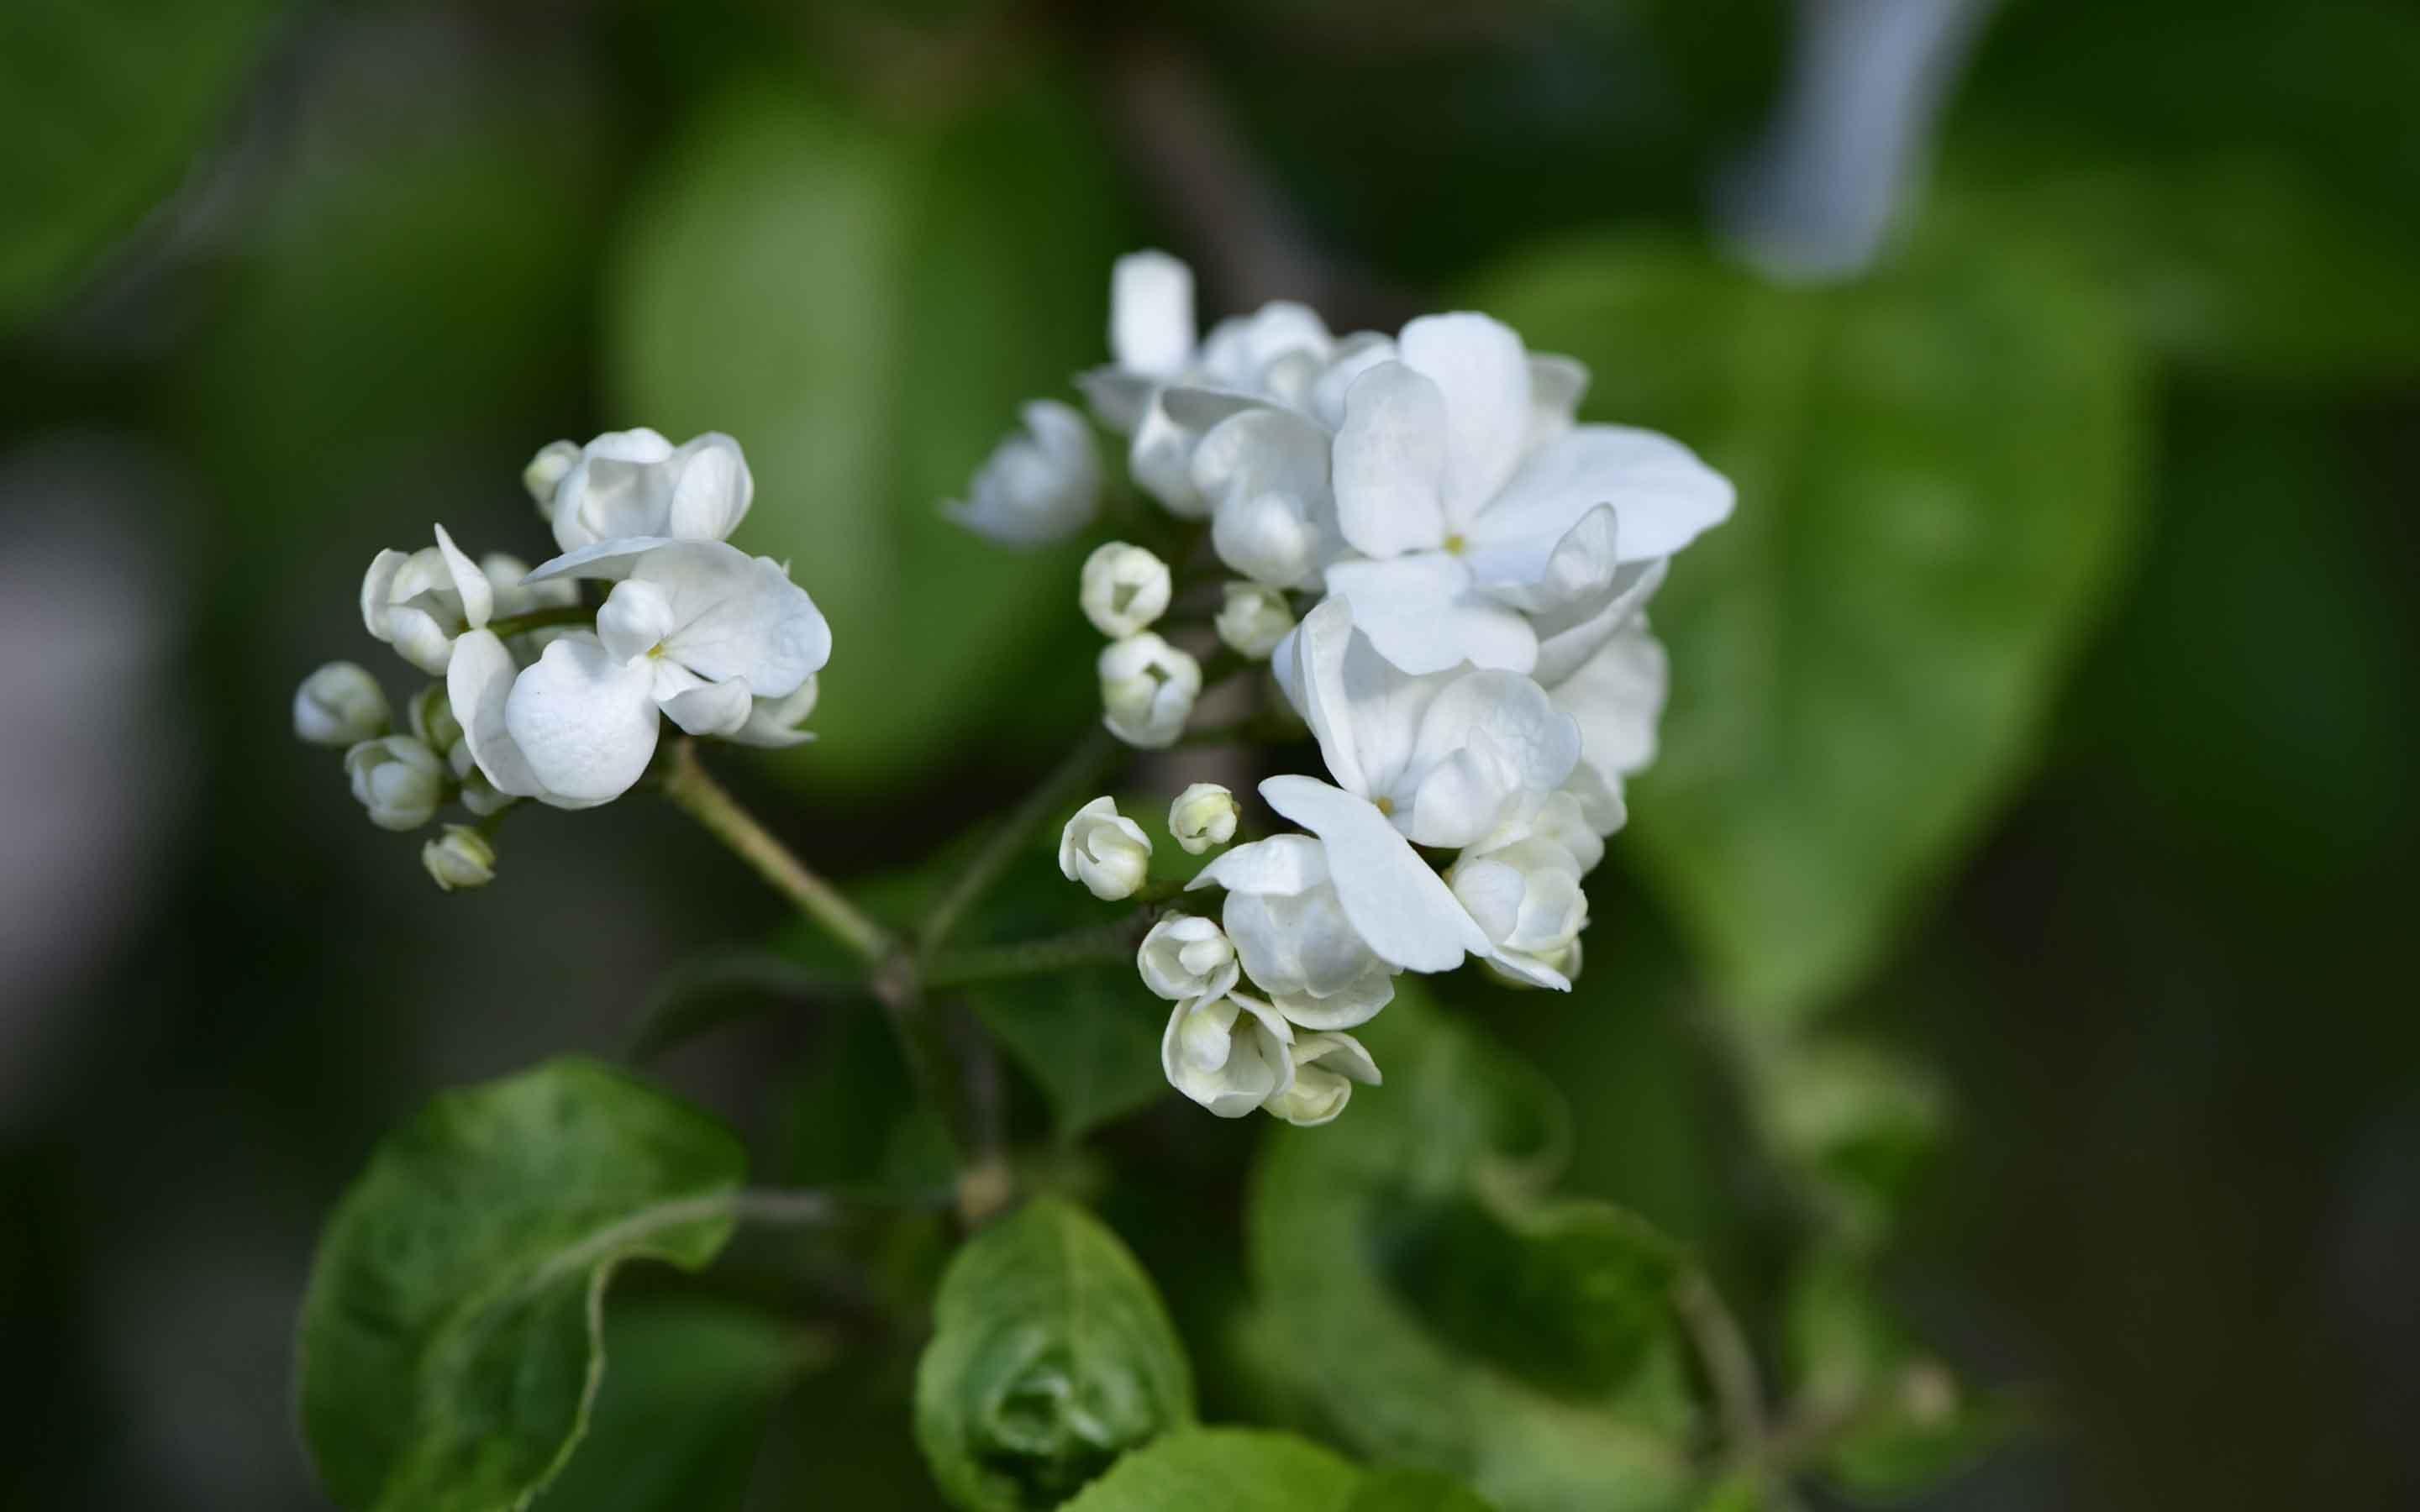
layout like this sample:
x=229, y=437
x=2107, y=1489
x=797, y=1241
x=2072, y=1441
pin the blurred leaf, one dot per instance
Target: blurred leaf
x=1859, y=1119
x=863, y=302
x=1051, y=1355
x=449, y=1339
x=675, y=1424
x=1904, y=1422
x=724, y=987
x=1934, y=471
x=1401, y=1490
x=1231, y=1470
x=1090, y=1038
x=104, y=104
x=1383, y=1245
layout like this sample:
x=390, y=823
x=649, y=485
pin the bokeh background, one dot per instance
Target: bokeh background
x=2047, y=720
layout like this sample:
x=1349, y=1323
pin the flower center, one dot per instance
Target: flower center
x=1455, y=546
x=1385, y=806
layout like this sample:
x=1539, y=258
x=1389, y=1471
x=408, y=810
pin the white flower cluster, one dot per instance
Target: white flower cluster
x=1471, y=567
x=540, y=698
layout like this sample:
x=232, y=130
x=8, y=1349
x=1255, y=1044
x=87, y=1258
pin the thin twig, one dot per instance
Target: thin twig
x=1078, y=767
x=698, y=795
x=1731, y=1365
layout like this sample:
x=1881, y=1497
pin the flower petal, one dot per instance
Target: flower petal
x=477, y=683
x=714, y=491
x=1479, y=364
x=1665, y=495
x=712, y=708
x=470, y=582
x=1486, y=737
x=585, y=722
x=736, y=616
x=634, y=619
x=1567, y=639
x=1150, y=314
x=1285, y=865
x=608, y=560
x=1389, y=463
x=1423, y=614
x=1403, y=910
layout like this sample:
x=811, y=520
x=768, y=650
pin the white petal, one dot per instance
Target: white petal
x=470, y=582
x=1557, y=385
x=1285, y=865
x=587, y=721
x=1150, y=314
x=1421, y=613
x=714, y=490
x=738, y=616
x=1229, y=1054
x=419, y=638
x=712, y=708
x=1579, y=565
x=377, y=590
x=1356, y=1004
x=1401, y=909
x=634, y=619
x=477, y=684
x=1564, y=644
x=607, y=560
x=1258, y=451
x=1615, y=700
x=1389, y=463
x=1484, y=739
x=1479, y=366
x=1665, y=495
x=1118, y=396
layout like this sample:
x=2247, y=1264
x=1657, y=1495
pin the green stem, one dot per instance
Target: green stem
x=1077, y=770
x=698, y=795
x=539, y=618
x=1730, y=1367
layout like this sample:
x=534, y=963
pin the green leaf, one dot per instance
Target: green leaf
x=1089, y=1038
x=1857, y=1119
x=1231, y=1470
x=1051, y=1355
x=104, y=104
x=1934, y=470
x=676, y=1424
x=1401, y=1490
x=449, y=1343
x=1444, y=1314
x=863, y=301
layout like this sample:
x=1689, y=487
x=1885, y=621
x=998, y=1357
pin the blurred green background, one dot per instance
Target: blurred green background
x=2045, y=721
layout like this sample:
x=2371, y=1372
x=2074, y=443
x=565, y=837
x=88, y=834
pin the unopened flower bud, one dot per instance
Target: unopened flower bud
x=480, y=795
x=1204, y=815
x=1185, y=956
x=1326, y=1066
x=1105, y=851
x=431, y=714
x=1147, y=691
x=1253, y=620
x=1125, y=588
x=546, y=469
x=459, y=857
x=398, y=779
x=340, y=704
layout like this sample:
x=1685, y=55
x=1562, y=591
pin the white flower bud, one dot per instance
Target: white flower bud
x=340, y=704
x=1105, y=851
x=1230, y=1054
x=431, y=714
x=1253, y=620
x=1040, y=485
x=1125, y=588
x=459, y=857
x=1147, y=691
x=398, y=779
x=480, y=795
x=1185, y=956
x=1326, y=1066
x=1527, y=897
x=1204, y=815
x=546, y=469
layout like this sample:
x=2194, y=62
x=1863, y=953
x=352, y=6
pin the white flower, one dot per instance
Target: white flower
x=1204, y=815
x=697, y=630
x=1231, y=1053
x=1527, y=896
x=1038, y=486
x=398, y=779
x=420, y=602
x=1291, y=933
x=1105, y=851
x=1616, y=697
x=1253, y=620
x=1185, y=956
x=546, y=469
x=1265, y=472
x=1436, y=760
x=1124, y=589
x=773, y=723
x=460, y=856
x=1326, y=1066
x=1478, y=504
x=339, y=705
x=629, y=483
x=1147, y=691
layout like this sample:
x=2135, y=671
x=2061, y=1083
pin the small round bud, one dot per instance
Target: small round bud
x=1125, y=588
x=1105, y=851
x=431, y=714
x=1326, y=1066
x=1147, y=691
x=479, y=795
x=340, y=704
x=546, y=469
x=1185, y=956
x=1204, y=815
x=1253, y=620
x=398, y=779
x=459, y=857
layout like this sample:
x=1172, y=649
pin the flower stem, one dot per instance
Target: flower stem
x=1080, y=766
x=539, y=618
x=1723, y=1348
x=698, y=795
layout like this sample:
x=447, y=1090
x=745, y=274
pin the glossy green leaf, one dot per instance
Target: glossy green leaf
x=1935, y=490
x=449, y=1343
x=104, y=104
x=863, y=302
x=1231, y=1470
x=676, y=1425
x=1441, y=1311
x=1051, y=1355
